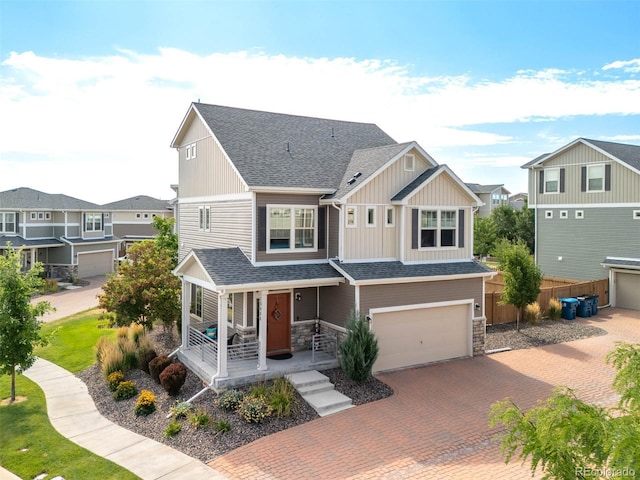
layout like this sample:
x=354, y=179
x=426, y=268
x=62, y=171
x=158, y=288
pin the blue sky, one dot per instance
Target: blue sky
x=92, y=92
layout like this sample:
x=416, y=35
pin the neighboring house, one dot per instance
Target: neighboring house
x=72, y=238
x=288, y=224
x=132, y=218
x=518, y=201
x=586, y=197
x=492, y=196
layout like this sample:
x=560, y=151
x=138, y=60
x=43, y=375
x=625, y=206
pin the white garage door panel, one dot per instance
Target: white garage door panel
x=92, y=264
x=628, y=291
x=418, y=336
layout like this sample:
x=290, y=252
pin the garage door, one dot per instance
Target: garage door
x=628, y=290
x=92, y=264
x=421, y=335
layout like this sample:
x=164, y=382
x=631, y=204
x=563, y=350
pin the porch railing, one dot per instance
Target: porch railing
x=324, y=342
x=243, y=351
x=205, y=346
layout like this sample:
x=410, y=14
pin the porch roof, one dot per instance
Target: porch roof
x=17, y=242
x=230, y=269
x=630, y=263
x=379, y=272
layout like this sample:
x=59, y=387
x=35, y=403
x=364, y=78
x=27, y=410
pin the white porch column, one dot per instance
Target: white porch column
x=222, y=335
x=185, y=316
x=262, y=337
x=34, y=257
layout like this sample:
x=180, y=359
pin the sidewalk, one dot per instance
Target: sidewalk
x=73, y=414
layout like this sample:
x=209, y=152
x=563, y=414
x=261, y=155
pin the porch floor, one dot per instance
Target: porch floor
x=245, y=372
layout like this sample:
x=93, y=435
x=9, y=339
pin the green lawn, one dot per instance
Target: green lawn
x=29, y=445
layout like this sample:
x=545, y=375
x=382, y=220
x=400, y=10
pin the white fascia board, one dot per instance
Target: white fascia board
x=201, y=283
x=192, y=257
x=342, y=272
x=301, y=190
x=187, y=116
x=398, y=308
x=216, y=198
x=282, y=285
x=542, y=206
x=432, y=278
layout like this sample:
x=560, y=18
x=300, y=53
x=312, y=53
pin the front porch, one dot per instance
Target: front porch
x=200, y=354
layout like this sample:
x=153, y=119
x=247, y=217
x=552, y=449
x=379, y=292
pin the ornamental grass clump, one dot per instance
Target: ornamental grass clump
x=532, y=313
x=199, y=419
x=282, y=397
x=172, y=429
x=359, y=351
x=146, y=403
x=146, y=352
x=554, y=310
x=135, y=332
x=172, y=378
x=229, y=400
x=129, y=352
x=111, y=358
x=125, y=390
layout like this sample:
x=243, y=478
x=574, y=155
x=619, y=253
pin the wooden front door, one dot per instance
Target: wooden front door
x=278, y=323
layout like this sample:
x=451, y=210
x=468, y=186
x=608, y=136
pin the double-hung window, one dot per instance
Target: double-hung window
x=292, y=228
x=196, y=300
x=552, y=180
x=92, y=222
x=595, y=178
x=204, y=218
x=438, y=228
x=7, y=222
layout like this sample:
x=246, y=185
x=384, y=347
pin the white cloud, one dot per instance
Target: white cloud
x=99, y=127
x=630, y=66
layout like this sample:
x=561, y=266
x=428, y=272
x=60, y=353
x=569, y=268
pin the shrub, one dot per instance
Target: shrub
x=115, y=379
x=254, y=409
x=199, y=419
x=125, y=390
x=146, y=403
x=229, y=400
x=157, y=365
x=554, y=311
x=173, y=377
x=172, y=429
x=111, y=359
x=110, y=318
x=51, y=286
x=358, y=352
x=282, y=398
x=222, y=426
x=144, y=357
x=532, y=313
x=181, y=410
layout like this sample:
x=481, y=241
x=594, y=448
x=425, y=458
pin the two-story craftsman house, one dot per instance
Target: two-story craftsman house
x=288, y=224
x=586, y=197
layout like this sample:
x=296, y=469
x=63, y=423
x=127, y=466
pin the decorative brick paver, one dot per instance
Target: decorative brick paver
x=436, y=423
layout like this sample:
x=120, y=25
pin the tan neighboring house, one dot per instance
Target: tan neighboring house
x=72, y=238
x=586, y=197
x=288, y=224
x=492, y=196
x=132, y=218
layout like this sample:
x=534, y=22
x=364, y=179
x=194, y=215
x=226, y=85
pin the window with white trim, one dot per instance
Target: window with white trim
x=7, y=222
x=92, y=222
x=389, y=217
x=197, y=295
x=351, y=217
x=40, y=215
x=548, y=214
x=579, y=214
x=371, y=216
x=47, y=215
x=564, y=214
x=34, y=215
x=230, y=308
x=191, y=151
x=409, y=162
x=204, y=218
x=636, y=214
x=438, y=228
x=595, y=178
x=138, y=215
x=291, y=228
x=552, y=180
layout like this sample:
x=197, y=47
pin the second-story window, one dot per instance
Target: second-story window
x=438, y=228
x=292, y=228
x=351, y=217
x=371, y=216
x=389, y=220
x=7, y=222
x=595, y=178
x=92, y=222
x=551, y=180
x=196, y=300
x=204, y=218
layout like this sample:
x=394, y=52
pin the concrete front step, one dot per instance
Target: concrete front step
x=319, y=392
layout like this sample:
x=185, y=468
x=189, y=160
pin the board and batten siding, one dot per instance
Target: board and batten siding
x=625, y=184
x=333, y=232
x=265, y=199
x=210, y=173
x=230, y=226
x=399, y=294
x=573, y=248
x=371, y=242
x=337, y=303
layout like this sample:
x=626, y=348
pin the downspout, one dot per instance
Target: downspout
x=340, y=232
x=535, y=216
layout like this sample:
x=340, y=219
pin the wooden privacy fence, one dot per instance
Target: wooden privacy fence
x=551, y=288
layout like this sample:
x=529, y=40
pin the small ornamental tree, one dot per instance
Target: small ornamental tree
x=522, y=277
x=359, y=351
x=568, y=438
x=19, y=323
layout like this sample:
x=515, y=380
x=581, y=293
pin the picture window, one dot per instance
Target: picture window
x=292, y=228
x=438, y=228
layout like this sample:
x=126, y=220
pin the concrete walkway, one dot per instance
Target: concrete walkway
x=73, y=413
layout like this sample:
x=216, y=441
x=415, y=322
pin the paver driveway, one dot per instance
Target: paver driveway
x=435, y=425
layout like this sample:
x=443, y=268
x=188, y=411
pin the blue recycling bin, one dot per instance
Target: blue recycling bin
x=594, y=303
x=584, y=307
x=569, y=307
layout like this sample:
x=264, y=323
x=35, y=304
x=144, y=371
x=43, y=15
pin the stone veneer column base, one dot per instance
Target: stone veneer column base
x=479, y=335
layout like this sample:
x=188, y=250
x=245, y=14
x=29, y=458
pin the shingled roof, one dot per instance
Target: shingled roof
x=28, y=198
x=362, y=271
x=279, y=150
x=139, y=202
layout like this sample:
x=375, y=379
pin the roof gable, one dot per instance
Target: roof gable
x=28, y=198
x=139, y=202
x=404, y=195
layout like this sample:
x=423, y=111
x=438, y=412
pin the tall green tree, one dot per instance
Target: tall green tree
x=166, y=239
x=19, y=322
x=144, y=290
x=525, y=226
x=504, y=219
x=484, y=236
x=568, y=438
x=522, y=277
